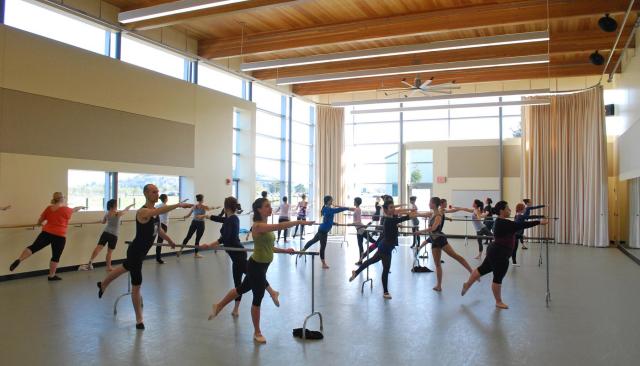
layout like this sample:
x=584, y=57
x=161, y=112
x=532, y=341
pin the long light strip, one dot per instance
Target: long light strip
x=447, y=66
x=176, y=7
x=445, y=97
x=542, y=101
x=457, y=44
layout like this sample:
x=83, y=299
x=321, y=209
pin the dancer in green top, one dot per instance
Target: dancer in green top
x=256, y=278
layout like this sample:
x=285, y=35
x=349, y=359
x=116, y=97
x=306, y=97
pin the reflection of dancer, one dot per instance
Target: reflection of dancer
x=439, y=242
x=147, y=227
x=199, y=211
x=302, y=215
x=387, y=244
x=498, y=252
x=229, y=237
x=109, y=235
x=327, y=214
x=54, y=232
x=256, y=278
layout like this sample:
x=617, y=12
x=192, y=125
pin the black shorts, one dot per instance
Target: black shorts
x=44, y=239
x=108, y=238
x=496, y=261
x=133, y=263
x=439, y=241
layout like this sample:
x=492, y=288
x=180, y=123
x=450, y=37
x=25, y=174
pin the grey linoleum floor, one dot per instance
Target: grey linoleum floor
x=593, y=318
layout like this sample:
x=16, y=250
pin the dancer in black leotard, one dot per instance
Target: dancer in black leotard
x=499, y=252
x=147, y=227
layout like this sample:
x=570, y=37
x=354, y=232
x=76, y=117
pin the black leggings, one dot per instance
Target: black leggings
x=159, y=248
x=515, y=249
x=286, y=231
x=239, y=268
x=295, y=232
x=386, y=266
x=322, y=237
x=361, y=240
x=416, y=238
x=195, y=227
x=44, y=239
x=483, y=232
x=496, y=261
x=255, y=281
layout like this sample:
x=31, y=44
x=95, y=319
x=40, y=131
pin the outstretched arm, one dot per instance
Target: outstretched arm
x=260, y=228
x=78, y=208
x=145, y=214
x=120, y=213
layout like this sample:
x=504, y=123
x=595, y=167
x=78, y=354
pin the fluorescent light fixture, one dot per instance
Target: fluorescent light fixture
x=457, y=44
x=445, y=97
x=176, y=7
x=541, y=101
x=447, y=66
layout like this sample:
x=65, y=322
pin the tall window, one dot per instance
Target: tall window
x=212, y=78
x=272, y=134
x=87, y=188
x=44, y=21
x=153, y=58
x=130, y=188
x=302, y=151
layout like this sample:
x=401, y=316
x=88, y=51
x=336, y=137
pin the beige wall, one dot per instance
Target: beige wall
x=45, y=68
x=487, y=178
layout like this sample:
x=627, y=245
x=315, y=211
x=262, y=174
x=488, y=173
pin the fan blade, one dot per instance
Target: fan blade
x=445, y=91
x=407, y=84
x=426, y=83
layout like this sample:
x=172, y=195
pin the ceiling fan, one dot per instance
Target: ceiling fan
x=419, y=86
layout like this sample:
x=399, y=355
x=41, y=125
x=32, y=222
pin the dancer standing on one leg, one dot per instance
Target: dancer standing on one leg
x=54, y=232
x=387, y=244
x=301, y=208
x=283, y=211
x=499, y=252
x=109, y=235
x=199, y=212
x=327, y=214
x=256, y=278
x=415, y=222
x=361, y=232
x=439, y=241
x=477, y=215
x=230, y=237
x=164, y=224
x=147, y=227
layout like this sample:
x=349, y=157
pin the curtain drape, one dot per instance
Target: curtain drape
x=634, y=213
x=564, y=164
x=329, y=160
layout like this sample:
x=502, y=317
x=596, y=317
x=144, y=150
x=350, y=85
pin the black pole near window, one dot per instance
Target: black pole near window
x=194, y=72
x=290, y=165
x=501, y=148
x=2, y=7
x=118, y=46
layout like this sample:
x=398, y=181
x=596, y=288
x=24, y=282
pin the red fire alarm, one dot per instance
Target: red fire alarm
x=441, y=179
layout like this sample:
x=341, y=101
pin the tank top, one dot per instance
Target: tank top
x=302, y=210
x=475, y=220
x=432, y=220
x=263, y=247
x=146, y=234
x=198, y=210
x=113, y=224
x=284, y=211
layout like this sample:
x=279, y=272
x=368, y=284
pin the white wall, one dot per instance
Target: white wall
x=37, y=65
x=627, y=95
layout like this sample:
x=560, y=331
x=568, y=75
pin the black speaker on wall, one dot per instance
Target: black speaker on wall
x=609, y=110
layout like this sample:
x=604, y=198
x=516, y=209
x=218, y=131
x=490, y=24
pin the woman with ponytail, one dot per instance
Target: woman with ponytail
x=256, y=278
x=230, y=238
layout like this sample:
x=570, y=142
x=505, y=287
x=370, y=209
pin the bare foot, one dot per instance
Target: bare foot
x=437, y=289
x=465, y=288
x=353, y=276
x=324, y=266
x=109, y=269
x=235, y=313
x=215, y=310
x=501, y=305
x=275, y=297
x=259, y=338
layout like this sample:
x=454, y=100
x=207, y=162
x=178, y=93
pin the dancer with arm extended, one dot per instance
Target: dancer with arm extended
x=477, y=216
x=499, y=251
x=109, y=235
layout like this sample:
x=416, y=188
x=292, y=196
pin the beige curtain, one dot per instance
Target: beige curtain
x=634, y=213
x=564, y=155
x=329, y=160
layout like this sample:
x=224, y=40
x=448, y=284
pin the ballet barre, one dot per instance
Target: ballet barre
x=248, y=250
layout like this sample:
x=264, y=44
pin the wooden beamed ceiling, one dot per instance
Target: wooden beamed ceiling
x=262, y=30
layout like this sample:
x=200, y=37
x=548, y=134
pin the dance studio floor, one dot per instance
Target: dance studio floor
x=593, y=318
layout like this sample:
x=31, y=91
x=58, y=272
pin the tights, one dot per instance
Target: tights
x=386, y=266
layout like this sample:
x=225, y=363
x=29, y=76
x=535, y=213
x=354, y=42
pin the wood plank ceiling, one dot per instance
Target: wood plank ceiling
x=262, y=30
